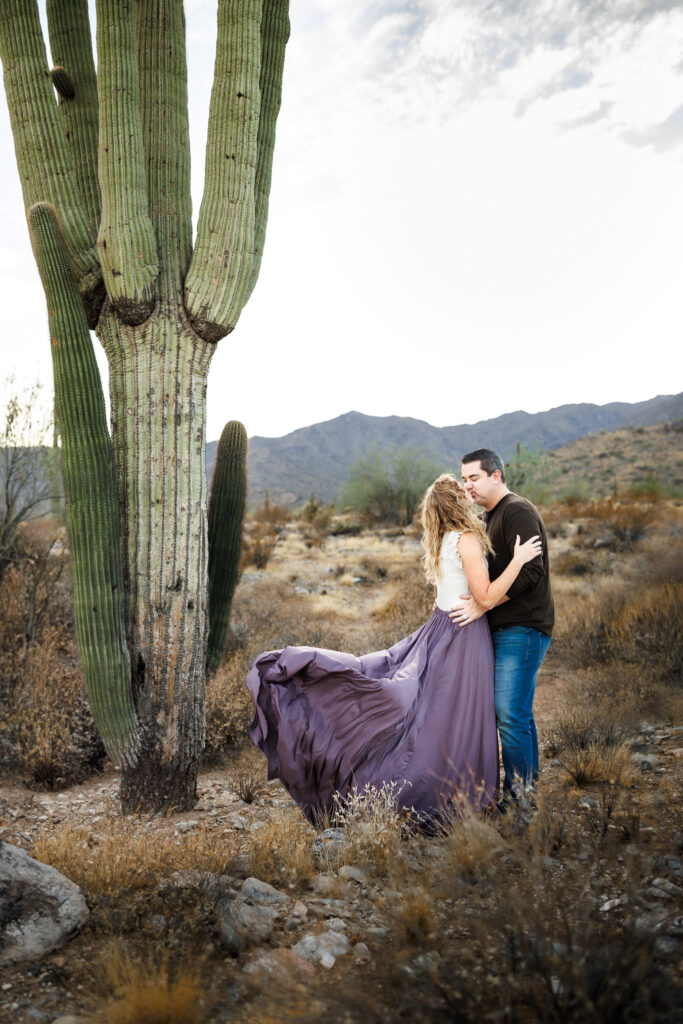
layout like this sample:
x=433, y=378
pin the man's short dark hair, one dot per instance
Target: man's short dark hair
x=490, y=461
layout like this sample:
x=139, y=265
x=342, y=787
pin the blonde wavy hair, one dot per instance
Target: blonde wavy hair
x=445, y=507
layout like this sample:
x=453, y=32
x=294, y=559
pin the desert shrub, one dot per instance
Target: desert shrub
x=229, y=708
x=627, y=522
x=271, y=513
x=344, y=526
x=118, y=855
x=531, y=473
x=387, y=486
x=572, y=563
x=469, y=844
x=283, y=849
x=582, y=730
x=413, y=915
x=599, y=762
x=375, y=825
x=637, y=625
x=247, y=782
x=628, y=692
x=55, y=742
x=150, y=989
x=407, y=605
x=534, y=949
x=258, y=541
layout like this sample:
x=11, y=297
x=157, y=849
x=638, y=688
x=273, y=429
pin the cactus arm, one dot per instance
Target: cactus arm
x=226, y=512
x=274, y=36
x=43, y=159
x=221, y=267
x=126, y=241
x=91, y=507
x=71, y=47
x=166, y=135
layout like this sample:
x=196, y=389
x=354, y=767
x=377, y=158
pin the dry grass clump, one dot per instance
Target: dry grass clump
x=54, y=736
x=592, y=747
x=282, y=851
x=414, y=915
x=375, y=825
x=229, y=708
x=258, y=542
x=148, y=989
x=470, y=845
x=636, y=624
x=534, y=949
x=599, y=763
x=408, y=604
x=122, y=855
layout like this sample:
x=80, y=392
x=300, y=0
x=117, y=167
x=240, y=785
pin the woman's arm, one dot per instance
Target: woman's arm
x=486, y=593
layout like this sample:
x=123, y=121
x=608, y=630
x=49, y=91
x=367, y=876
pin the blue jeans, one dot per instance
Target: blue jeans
x=519, y=652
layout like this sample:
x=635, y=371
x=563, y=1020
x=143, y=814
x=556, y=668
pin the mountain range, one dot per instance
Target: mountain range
x=316, y=459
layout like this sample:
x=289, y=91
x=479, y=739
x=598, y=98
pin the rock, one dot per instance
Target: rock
x=361, y=953
x=611, y=905
x=328, y=944
x=646, y=761
x=665, y=946
x=297, y=917
x=276, y=962
x=646, y=924
x=336, y=924
x=677, y=752
x=40, y=909
x=328, y=846
x=68, y=1019
x=256, y=891
x=243, y=924
x=186, y=826
x=377, y=932
x=353, y=874
x=668, y=887
x=322, y=884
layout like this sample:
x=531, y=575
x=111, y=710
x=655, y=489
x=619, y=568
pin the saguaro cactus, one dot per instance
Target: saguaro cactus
x=111, y=155
x=226, y=512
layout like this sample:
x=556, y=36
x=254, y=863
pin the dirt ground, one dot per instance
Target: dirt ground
x=350, y=577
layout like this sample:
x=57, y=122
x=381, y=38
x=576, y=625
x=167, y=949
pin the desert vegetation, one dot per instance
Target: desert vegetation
x=572, y=915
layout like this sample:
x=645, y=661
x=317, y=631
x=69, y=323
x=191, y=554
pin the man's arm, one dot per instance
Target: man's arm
x=524, y=522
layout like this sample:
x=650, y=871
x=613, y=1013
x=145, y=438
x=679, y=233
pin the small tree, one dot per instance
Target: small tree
x=389, y=485
x=26, y=477
x=532, y=473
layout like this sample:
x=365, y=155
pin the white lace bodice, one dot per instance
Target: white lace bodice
x=452, y=581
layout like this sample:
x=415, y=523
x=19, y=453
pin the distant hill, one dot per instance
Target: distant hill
x=618, y=460
x=317, y=459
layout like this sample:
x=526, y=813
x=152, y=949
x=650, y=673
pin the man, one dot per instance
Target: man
x=522, y=622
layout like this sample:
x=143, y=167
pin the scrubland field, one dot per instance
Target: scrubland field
x=572, y=914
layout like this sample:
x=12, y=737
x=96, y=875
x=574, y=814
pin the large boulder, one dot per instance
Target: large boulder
x=40, y=909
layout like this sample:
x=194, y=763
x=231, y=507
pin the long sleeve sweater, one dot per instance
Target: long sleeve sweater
x=530, y=597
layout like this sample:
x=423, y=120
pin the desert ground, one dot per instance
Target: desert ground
x=572, y=913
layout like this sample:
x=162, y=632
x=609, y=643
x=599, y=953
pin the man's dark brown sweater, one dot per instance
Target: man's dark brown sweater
x=530, y=598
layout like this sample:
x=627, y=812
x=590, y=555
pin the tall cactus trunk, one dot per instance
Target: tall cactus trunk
x=158, y=397
x=112, y=158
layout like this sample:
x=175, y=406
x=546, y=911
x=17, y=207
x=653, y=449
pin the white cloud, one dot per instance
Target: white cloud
x=475, y=208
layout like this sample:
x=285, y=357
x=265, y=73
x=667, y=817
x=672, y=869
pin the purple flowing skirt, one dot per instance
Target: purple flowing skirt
x=420, y=715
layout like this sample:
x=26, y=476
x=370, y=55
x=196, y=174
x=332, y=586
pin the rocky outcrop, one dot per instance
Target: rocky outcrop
x=40, y=909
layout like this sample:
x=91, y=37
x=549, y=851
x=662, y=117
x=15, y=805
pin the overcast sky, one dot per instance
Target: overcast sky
x=476, y=208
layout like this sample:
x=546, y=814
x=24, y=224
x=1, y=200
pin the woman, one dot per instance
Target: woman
x=419, y=715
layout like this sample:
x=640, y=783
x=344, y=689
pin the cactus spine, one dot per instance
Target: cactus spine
x=112, y=157
x=226, y=512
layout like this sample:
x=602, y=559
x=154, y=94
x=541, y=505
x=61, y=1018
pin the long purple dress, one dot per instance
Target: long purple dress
x=420, y=715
